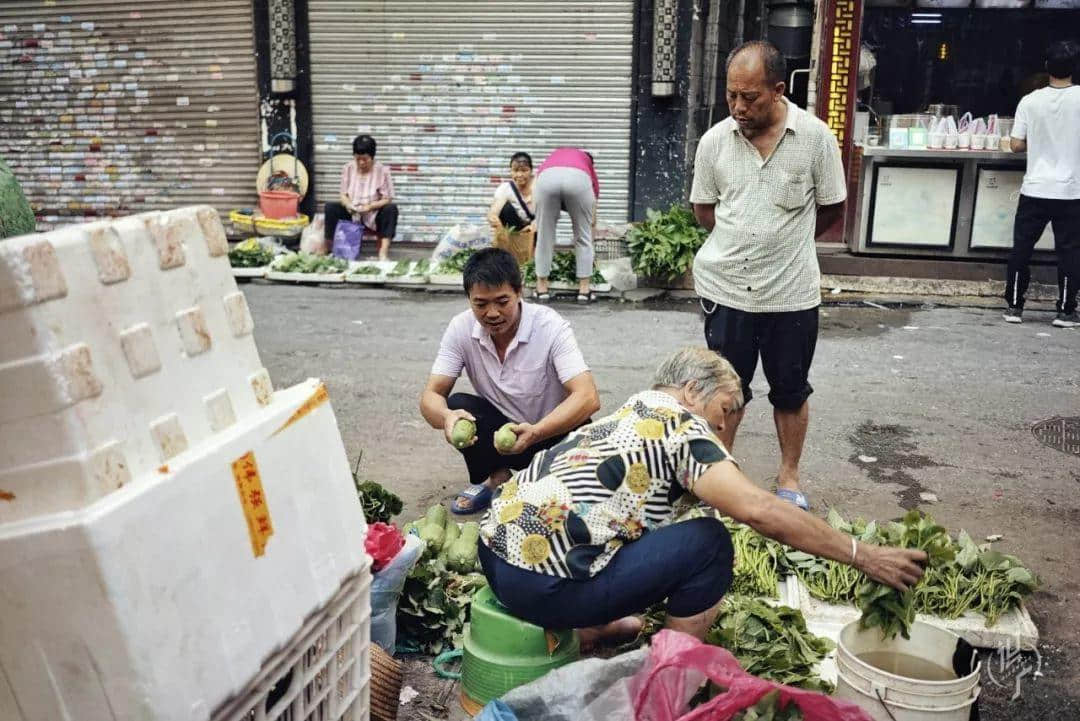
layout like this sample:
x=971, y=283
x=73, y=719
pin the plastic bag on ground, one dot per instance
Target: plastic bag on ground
x=461, y=237
x=657, y=683
x=386, y=588
x=313, y=239
x=347, y=237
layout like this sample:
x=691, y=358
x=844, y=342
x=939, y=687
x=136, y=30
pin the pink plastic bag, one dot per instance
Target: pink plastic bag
x=678, y=664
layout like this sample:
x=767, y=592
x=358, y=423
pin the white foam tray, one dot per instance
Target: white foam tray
x=152, y=603
x=455, y=279
x=306, y=277
x=383, y=265
x=258, y=272
x=1011, y=627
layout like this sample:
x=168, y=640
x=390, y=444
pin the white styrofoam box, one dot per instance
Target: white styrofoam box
x=125, y=341
x=258, y=272
x=154, y=601
x=324, y=673
x=305, y=277
x=1013, y=627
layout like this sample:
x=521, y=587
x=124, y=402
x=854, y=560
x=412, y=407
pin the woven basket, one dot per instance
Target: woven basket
x=386, y=678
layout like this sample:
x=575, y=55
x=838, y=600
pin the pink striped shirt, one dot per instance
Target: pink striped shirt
x=363, y=189
x=572, y=158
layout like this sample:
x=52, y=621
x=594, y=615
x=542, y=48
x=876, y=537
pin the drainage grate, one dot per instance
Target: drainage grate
x=1062, y=434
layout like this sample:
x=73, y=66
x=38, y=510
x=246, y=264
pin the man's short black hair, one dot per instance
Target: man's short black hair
x=523, y=157
x=1061, y=59
x=363, y=145
x=771, y=57
x=492, y=267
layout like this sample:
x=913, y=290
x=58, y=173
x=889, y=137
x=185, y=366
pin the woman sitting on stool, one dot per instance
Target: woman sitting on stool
x=367, y=196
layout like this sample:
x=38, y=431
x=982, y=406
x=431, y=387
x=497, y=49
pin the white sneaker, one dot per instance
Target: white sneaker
x=1013, y=315
x=1067, y=320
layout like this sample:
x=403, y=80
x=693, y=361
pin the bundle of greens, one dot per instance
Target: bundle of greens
x=367, y=269
x=422, y=267
x=400, y=268
x=664, y=245
x=771, y=643
x=768, y=709
x=378, y=503
x=563, y=270
x=250, y=254
x=886, y=608
x=827, y=580
x=757, y=561
x=455, y=264
x=305, y=263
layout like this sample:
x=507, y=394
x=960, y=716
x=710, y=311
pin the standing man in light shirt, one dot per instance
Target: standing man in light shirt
x=367, y=196
x=766, y=179
x=525, y=366
x=1047, y=126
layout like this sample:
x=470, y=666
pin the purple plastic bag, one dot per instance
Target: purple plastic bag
x=347, y=237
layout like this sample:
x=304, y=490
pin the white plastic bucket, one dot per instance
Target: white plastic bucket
x=887, y=696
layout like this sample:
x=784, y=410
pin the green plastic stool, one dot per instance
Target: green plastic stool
x=502, y=652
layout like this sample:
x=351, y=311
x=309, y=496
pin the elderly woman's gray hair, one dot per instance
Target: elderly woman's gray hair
x=709, y=371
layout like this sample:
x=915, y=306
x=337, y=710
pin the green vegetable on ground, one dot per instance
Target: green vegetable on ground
x=463, y=432
x=250, y=254
x=378, y=503
x=563, y=270
x=305, y=263
x=455, y=264
x=367, y=270
x=462, y=555
x=664, y=245
x=421, y=268
x=505, y=438
x=400, y=269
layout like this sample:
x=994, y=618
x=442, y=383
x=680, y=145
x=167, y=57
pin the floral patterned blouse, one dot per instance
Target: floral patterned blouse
x=604, y=485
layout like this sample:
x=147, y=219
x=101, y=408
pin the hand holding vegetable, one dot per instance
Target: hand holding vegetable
x=900, y=568
x=450, y=420
x=527, y=435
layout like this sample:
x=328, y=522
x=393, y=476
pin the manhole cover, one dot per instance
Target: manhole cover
x=1060, y=433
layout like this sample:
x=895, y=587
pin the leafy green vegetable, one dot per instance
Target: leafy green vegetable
x=378, y=503
x=304, y=263
x=886, y=608
x=400, y=269
x=367, y=270
x=456, y=262
x=563, y=270
x=250, y=254
x=770, y=642
x=757, y=561
x=664, y=245
x=768, y=709
x=434, y=605
x=422, y=267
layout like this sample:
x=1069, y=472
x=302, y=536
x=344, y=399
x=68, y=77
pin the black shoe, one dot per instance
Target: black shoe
x=1013, y=315
x=1066, y=320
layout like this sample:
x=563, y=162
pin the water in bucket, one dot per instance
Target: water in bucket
x=906, y=665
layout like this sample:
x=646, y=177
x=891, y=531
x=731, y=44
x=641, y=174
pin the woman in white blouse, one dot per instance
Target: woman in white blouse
x=513, y=205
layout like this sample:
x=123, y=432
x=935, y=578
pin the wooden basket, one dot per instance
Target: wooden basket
x=386, y=679
x=519, y=243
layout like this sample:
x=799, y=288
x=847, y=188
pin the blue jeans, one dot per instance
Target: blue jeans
x=689, y=564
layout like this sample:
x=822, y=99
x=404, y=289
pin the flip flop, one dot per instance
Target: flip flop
x=589, y=298
x=542, y=297
x=797, y=498
x=479, y=498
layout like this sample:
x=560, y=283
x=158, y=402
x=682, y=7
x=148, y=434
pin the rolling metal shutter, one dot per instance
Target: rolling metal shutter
x=110, y=108
x=451, y=89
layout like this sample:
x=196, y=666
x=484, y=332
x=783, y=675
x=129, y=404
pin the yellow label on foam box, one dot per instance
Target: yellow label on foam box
x=253, y=501
x=315, y=400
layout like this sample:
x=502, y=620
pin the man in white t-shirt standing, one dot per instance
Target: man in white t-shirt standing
x=766, y=180
x=1047, y=126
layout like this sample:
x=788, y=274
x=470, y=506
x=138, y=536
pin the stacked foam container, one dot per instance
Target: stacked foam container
x=177, y=539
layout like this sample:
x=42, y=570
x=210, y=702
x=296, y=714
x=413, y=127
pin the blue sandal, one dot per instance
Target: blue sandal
x=479, y=498
x=797, y=498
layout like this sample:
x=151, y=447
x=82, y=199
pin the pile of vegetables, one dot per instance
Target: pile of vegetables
x=770, y=642
x=455, y=264
x=367, y=269
x=664, y=245
x=306, y=263
x=400, y=268
x=379, y=504
x=563, y=270
x=422, y=267
x=960, y=576
x=434, y=604
x=758, y=561
x=250, y=254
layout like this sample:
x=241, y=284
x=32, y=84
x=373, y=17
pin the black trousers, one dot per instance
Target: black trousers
x=510, y=218
x=1032, y=215
x=481, y=458
x=385, y=219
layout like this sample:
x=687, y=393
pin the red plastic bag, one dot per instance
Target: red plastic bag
x=679, y=663
x=382, y=543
